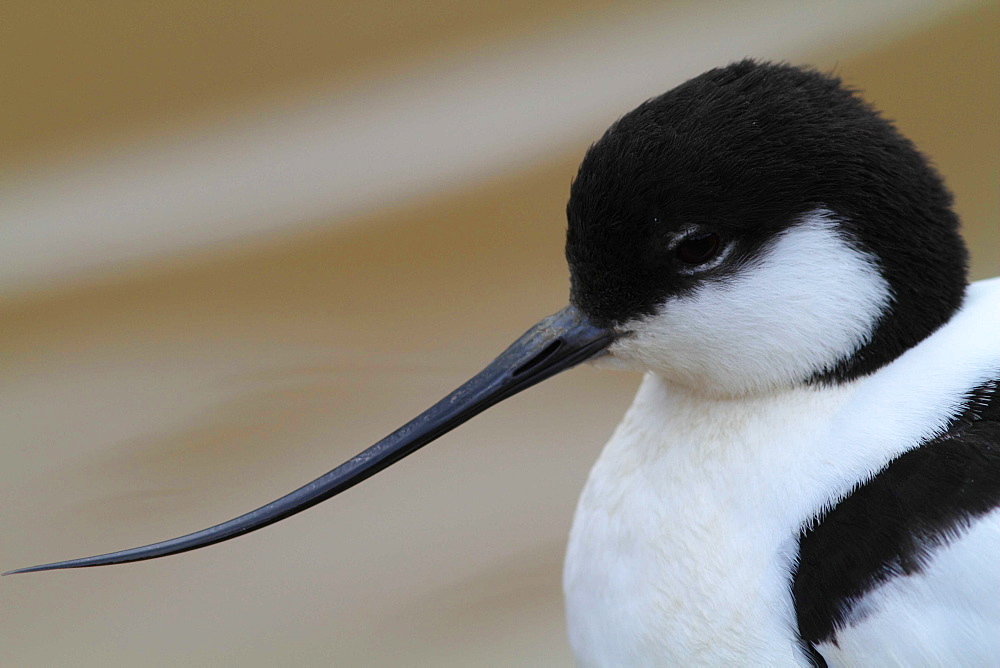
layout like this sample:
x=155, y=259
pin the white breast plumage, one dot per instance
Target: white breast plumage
x=685, y=538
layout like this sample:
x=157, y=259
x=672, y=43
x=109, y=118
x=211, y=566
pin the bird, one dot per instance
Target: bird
x=809, y=473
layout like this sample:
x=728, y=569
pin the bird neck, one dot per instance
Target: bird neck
x=686, y=534
x=686, y=530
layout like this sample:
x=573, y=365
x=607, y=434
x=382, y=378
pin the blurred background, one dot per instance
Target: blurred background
x=239, y=242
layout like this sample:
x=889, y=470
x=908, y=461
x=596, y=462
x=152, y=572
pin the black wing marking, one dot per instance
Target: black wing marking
x=891, y=525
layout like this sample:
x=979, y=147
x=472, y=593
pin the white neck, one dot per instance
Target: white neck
x=684, y=540
x=686, y=531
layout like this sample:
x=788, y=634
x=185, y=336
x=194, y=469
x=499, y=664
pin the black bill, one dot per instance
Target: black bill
x=558, y=342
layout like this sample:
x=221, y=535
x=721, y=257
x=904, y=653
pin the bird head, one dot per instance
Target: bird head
x=760, y=226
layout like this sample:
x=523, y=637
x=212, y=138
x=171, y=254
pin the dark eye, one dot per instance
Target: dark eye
x=698, y=248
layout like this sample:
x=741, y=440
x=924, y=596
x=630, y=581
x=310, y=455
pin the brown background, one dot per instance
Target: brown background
x=139, y=401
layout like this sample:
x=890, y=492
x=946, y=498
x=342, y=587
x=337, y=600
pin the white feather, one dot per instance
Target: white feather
x=948, y=615
x=684, y=538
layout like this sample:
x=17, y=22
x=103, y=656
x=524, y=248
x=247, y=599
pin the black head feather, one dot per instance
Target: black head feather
x=745, y=151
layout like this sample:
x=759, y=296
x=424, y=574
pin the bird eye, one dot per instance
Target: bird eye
x=698, y=248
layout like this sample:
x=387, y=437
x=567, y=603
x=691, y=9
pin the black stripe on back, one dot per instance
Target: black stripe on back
x=891, y=525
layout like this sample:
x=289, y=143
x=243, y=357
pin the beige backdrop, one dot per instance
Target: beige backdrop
x=156, y=391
